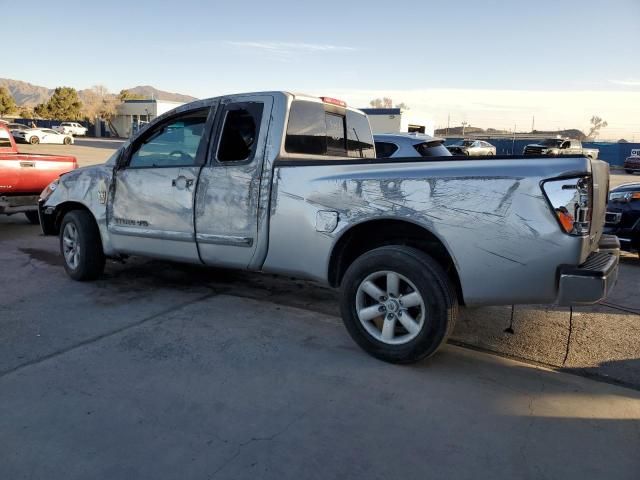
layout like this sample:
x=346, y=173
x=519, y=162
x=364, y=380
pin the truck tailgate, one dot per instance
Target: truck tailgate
x=31, y=173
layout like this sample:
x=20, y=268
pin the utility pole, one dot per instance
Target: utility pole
x=533, y=124
x=513, y=143
x=464, y=125
x=448, y=121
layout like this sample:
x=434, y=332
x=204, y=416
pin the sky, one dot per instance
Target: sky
x=500, y=64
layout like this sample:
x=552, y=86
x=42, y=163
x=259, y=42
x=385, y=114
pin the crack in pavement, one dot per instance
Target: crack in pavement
x=268, y=438
x=102, y=336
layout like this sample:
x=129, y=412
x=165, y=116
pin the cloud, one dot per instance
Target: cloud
x=626, y=83
x=290, y=48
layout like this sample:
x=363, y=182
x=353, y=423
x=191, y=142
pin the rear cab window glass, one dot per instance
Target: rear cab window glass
x=317, y=129
x=173, y=143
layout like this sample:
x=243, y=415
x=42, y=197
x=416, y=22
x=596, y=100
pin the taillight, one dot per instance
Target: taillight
x=570, y=199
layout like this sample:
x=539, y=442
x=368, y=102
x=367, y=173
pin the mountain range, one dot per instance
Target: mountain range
x=28, y=95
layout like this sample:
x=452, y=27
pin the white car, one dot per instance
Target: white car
x=71, y=128
x=402, y=145
x=42, y=135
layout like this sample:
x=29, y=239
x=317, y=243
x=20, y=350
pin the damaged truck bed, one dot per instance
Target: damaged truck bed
x=285, y=183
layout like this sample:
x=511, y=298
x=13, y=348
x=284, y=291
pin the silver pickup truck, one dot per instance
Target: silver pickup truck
x=290, y=184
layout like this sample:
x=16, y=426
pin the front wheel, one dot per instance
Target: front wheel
x=81, y=246
x=66, y=141
x=629, y=171
x=398, y=304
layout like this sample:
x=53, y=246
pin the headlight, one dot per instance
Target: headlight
x=553, y=151
x=570, y=199
x=624, y=196
x=46, y=193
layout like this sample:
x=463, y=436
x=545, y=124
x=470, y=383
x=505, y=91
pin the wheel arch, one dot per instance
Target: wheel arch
x=367, y=235
x=65, y=207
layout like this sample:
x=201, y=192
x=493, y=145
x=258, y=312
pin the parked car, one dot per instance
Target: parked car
x=623, y=216
x=471, y=148
x=632, y=163
x=71, y=128
x=396, y=145
x=289, y=184
x=24, y=175
x=17, y=127
x=559, y=146
x=42, y=135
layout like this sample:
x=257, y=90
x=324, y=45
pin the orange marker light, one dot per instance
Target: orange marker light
x=566, y=219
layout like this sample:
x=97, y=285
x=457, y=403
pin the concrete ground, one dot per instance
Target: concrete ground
x=166, y=371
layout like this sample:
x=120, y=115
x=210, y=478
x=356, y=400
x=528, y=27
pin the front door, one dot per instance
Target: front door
x=153, y=195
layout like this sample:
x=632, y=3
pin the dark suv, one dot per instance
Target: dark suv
x=623, y=216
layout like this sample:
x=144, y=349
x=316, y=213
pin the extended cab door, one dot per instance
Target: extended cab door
x=229, y=199
x=151, y=209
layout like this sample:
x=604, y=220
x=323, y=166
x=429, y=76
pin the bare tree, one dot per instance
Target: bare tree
x=387, y=102
x=596, y=124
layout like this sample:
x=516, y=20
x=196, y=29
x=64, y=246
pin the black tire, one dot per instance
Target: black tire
x=629, y=171
x=431, y=282
x=34, y=140
x=66, y=141
x=90, y=259
x=33, y=218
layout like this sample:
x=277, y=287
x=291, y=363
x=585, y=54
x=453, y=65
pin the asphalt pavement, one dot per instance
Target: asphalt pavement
x=162, y=371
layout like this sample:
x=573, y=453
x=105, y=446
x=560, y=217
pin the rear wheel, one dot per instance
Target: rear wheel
x=34, y=140
x=398, y=304
x=33, y=218
x=66, y=140
x=81, y=246
x=629, y=171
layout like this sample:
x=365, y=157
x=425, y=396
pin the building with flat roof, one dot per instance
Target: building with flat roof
x=395, y=120
x=130, y=114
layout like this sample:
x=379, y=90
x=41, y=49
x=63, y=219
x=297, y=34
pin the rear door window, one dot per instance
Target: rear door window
x=385, y=149
x=239, y=134
x=432, y=149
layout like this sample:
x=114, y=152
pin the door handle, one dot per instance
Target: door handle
x=182, y=182
x=27, y=164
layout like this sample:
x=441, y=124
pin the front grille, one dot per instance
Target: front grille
x=612, y=218
x=532, y=151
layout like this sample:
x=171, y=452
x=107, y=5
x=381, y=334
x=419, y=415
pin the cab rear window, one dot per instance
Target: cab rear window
x=312, y=130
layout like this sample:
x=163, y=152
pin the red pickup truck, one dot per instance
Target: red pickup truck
x=24, y=175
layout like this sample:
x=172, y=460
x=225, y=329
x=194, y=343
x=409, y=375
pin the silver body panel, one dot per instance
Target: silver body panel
x=490, y=214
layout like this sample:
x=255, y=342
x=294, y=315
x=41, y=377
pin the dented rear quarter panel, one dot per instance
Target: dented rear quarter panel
x=491, y=215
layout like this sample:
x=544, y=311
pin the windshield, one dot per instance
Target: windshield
x=463, y=143
x=551, y=142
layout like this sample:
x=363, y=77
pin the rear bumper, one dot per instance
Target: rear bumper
x=593, y=280
x=18, y=203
